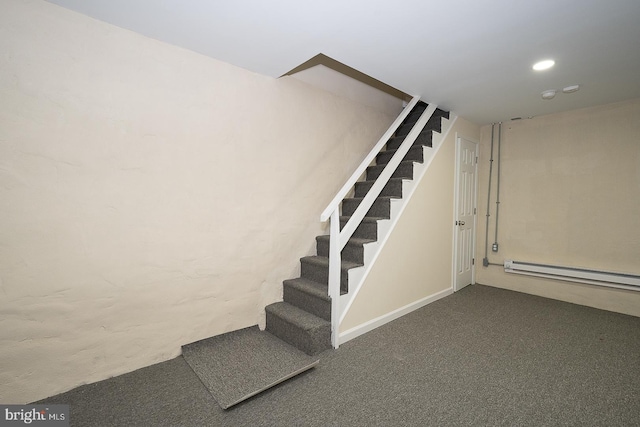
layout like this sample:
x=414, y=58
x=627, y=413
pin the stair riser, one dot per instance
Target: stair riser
x=353, y=253
x=392, y=189
x=425, y=138
x=311, y=303
x=311, y=342
x=405, y=170
x=380, y=208
x=365, y=230
x=414, y=154
x=320, y=274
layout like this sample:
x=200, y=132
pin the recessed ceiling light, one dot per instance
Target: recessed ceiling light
x=549, y=94
x=571, y=89
x=544, y=65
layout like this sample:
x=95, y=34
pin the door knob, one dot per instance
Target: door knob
x=460, y=222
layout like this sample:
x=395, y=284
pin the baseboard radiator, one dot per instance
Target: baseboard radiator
x=572, y=274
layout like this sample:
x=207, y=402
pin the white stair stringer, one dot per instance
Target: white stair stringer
x=357, y=276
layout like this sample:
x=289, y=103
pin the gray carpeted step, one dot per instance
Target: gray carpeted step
x=353, y=251
x=393, y=188
x=368, y=228
x=240, y=364
x=415, y=154
x=441, y=113
x=415, y=114
x=425, y=138
x=417, y=111
x=405, y=170
x=434, y=124
x=298, y=327
x=381, y=207
x=316, y=268
x=308, y=295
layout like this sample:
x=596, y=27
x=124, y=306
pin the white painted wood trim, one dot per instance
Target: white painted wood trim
x=346, y=188
x=393, y=315
x=350, y=297
x=375, y=190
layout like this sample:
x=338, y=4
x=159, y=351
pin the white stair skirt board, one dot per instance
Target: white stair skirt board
x=357, y=276
x=386, y=318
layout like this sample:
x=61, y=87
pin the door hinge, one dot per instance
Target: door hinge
x=473, y=261
x=476, y=160
x=474, y=211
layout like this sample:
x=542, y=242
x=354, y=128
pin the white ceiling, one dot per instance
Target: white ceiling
x=470, y=56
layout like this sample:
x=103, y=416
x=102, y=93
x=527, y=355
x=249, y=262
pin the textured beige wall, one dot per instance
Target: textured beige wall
x=150, y=196
x=416, y=261
x=569, y=195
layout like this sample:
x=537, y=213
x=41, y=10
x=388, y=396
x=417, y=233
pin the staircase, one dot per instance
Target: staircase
x=303, y=318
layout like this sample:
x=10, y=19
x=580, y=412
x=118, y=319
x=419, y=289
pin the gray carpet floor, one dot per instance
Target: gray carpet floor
x=481, y=357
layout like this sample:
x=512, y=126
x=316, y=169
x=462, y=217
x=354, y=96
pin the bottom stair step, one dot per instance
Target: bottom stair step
x=240, y=364
x=299, y=328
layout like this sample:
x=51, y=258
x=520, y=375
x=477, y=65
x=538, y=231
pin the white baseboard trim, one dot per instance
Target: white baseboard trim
x=393, y=315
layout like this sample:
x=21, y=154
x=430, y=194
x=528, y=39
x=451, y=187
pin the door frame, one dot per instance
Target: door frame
x=456, y=195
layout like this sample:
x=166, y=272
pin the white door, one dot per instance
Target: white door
x=465, y=218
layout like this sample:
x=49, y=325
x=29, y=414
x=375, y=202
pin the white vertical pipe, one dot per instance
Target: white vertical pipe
x=495, y=244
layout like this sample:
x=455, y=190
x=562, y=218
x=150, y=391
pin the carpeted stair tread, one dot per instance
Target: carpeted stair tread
x=308, y=295
x=425, y=138
x=319, y=290
x=360, y=198
x=353, y=251
x=298, y=327
x=367, y=229
x=405, y=170
x=441, y=113
x=381, y=206
x=366, y=219
x=324, y=262
x=417, y=111
x=316, y=268
x=371, y=182
x=415, y=154
x=298, y=316
x=393, y=188
x=356, y=241
x=434, y=124
x=240, y=364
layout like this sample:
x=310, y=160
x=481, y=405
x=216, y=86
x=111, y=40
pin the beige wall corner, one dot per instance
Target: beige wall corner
x=416, y=261
x=569, y=196
x=150, y=196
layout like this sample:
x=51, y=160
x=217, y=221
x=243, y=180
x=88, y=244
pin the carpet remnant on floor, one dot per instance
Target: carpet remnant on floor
x=240, y=364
